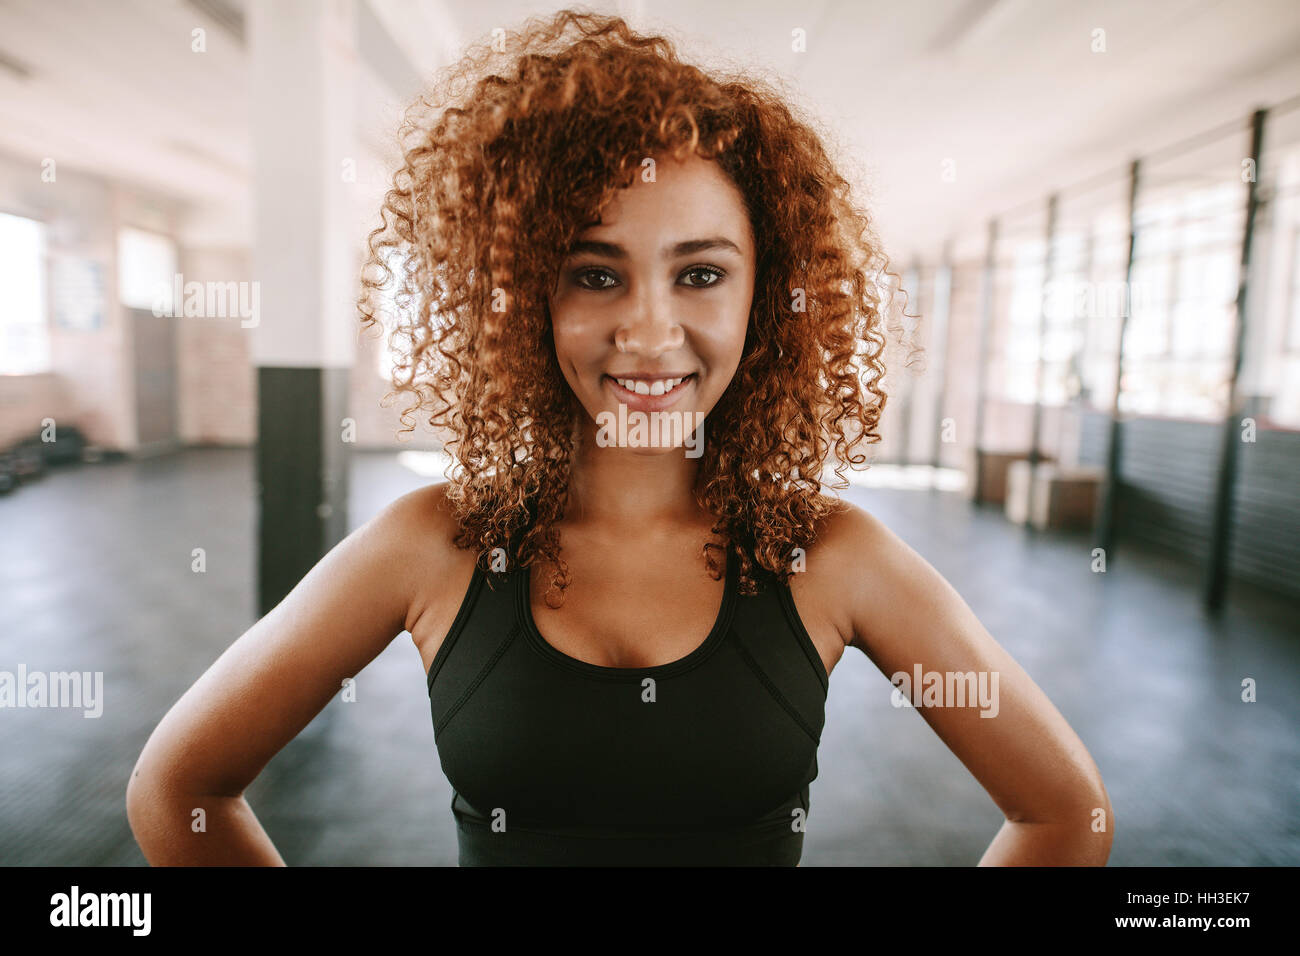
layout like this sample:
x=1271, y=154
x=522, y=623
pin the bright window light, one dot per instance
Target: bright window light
x=24, y=334
x=146, y=270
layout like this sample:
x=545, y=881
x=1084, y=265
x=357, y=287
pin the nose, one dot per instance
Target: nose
x=650, y=328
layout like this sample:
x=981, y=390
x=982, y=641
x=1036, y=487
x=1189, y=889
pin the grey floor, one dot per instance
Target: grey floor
x=95, y=576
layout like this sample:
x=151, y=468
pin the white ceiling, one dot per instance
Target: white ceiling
x=115, y=89
x=1009, y=90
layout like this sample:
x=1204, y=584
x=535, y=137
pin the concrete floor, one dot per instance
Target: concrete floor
x=95, y=576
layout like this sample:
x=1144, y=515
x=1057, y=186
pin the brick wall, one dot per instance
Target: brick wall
x=216, y=382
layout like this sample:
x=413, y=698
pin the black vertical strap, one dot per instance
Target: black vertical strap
x=1216, y=572
x=1105, y=526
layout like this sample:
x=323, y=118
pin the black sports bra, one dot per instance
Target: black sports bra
x=555, y=761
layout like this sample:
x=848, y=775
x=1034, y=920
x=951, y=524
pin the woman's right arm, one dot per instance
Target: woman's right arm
x=272, y=681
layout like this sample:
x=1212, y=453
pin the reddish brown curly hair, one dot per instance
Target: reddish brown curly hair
x=516, y=150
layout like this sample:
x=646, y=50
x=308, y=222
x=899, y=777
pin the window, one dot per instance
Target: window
x=146, y=270
x=1292, y=334
x=1106, y=303
x=1064, y=328
x=1016, y=375
x=1179, y=350
x=1285, y=407
x=24, y=333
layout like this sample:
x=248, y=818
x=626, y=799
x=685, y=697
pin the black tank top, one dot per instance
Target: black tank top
x=554, y=761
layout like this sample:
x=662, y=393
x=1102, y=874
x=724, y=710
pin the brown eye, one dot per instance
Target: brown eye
x=717, y=275
x=581, y=275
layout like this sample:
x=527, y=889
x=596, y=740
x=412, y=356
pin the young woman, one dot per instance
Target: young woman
x=643, y=306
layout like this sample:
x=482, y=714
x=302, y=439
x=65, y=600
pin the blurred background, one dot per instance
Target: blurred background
x=1094, y=210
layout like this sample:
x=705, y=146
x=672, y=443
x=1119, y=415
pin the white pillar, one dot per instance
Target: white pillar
x=303, y=67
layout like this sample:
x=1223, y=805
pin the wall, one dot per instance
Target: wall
x=27, y=399
x=216, y=380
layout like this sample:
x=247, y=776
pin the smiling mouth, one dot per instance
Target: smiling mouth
x=647, y=387
x=649, y=401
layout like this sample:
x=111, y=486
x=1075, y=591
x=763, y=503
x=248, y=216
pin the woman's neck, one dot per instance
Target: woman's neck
x=627, y=490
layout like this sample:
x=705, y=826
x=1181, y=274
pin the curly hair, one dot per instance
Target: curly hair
x=515, y=150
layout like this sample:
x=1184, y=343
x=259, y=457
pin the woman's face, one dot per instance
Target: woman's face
x=660, y=289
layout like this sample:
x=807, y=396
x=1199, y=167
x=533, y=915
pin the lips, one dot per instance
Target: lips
x=650, y=403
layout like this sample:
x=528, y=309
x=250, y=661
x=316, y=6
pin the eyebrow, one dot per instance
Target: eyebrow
x=613, y=250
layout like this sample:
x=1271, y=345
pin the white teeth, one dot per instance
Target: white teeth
x=650, y=388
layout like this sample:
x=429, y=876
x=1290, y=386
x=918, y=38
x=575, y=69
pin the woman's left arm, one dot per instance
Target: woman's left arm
x=903, y=615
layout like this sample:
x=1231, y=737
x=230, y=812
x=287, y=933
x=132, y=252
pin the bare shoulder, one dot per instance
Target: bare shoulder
x=889, y=594
x=413, y=534
x=819, y=586
x=425, y=505
x=848, y=523
x=853, y=563
x=423, y=524
x=425, y=512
